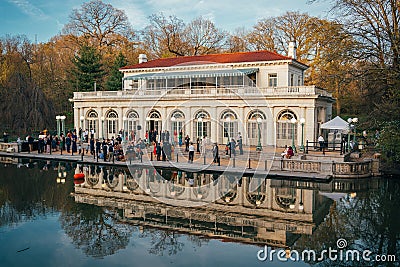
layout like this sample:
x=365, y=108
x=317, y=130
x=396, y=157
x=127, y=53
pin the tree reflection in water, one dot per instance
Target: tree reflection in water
x=163, y=241
x=368, y=221
x=96, y=230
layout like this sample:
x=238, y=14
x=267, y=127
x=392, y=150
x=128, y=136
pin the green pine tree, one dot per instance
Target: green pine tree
x=87, y=69
x=114, y=82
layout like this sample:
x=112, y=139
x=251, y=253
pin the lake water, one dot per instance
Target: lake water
x=148, y=217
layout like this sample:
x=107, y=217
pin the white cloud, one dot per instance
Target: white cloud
x=29, y=9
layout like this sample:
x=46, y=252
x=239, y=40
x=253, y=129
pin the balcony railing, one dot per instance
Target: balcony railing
x=196, y=91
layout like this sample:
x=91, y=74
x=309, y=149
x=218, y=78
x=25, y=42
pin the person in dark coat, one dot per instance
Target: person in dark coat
x=158, y=151
x=98, y=146
x=198, y=145
x=40, y=145
x=215, y=152
x=68, y=143
x=92, y=146
x=74, y=140
x=105, y=151
x=167, y=136
x=187, y=142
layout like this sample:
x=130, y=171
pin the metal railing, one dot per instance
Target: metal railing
x=331, y=146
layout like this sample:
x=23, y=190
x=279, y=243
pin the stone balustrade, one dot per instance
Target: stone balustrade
x=207, y=91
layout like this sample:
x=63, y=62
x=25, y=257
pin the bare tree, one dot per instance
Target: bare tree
x=98, y=22
x=170, y=36
x=203, y=37
x=164, y=36
x=237, y=41
x=262, y=35
x=375, y=24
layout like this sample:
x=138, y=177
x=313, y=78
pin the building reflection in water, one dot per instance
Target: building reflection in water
x=111, y=204
x=207, y=204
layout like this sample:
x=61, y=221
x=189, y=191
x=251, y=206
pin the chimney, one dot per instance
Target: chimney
x=142, y=58
x=292, y=50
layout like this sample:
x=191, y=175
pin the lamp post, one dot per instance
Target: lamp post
x=259, y=146
x=349, y=120
x=228, y=120
x=293, y=121
x=173, y=121
x=102, y=126
x=63, y=123
x=302, y=121
x=58, y=118
x=355, y=120
x=200, y=119
x=301, y=204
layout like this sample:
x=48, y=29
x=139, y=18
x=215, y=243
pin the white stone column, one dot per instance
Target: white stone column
x=165, y=119
x=214, y=125
x=120, y=120
x=142, y=122
x=242, y=124
x=101, y=124
x=82, y=122
x=310, y=126
x=271, y=131
x=190, y=124
x=76, y=117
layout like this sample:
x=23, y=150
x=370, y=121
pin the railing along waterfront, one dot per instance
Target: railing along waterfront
x=301, y=165
x=352, y=169
x=195, y=91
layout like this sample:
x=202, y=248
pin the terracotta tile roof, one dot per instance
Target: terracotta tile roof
x=213, y=58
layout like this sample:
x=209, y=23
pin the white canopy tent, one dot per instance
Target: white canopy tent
x=336, y=123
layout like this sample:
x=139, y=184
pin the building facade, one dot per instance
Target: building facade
x=260, y=95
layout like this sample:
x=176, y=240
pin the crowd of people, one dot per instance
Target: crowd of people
x=161, y=145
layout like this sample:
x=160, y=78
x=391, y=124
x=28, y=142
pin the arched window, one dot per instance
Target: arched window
x=112, y=122
x=258, y=196
x=154, y=114
x=154, y=123
x=132, y=123
x=286, y=131
x=285, y=197
x=202, y=124
x=256, y=127
x=91, y=121
x=229, y=124
x=177, y=124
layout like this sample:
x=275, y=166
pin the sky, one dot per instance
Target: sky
x=40, y=20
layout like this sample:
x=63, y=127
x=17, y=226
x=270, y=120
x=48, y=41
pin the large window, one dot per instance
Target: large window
x=178, y=123
x=154, y=122
x=132, y=122
x=202, y=124
x=285, y=129
x=91, y=120
x=256, y=127
x=112, y=123
x=229, y=126
x=272, y=80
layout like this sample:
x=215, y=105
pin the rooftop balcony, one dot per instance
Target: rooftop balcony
x=208, y=91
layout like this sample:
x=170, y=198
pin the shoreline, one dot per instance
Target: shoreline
x=189, y=167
